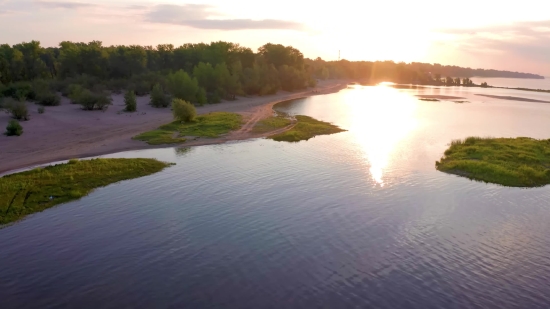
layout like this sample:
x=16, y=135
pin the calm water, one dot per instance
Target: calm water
x=515, y=82
x=359, y=219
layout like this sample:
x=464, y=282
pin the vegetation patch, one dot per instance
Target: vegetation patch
x=306, y=128
x=209, y=125
x=429, y=100
x=513, y=162
x=271, y=124
x=32, y=191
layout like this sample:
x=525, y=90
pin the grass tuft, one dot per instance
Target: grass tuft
x=271, y=124
x=209, y=125
x=32, y=191
x=513, y=162
x=306, y=128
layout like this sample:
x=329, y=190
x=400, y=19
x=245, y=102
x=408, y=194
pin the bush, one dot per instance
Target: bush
x=48, y=99
x=17, y=109
x=73, y=92
x=91, y=101
x=20, y=91
x=41, y=110
x=201, y=97
x=183, y=110
x=14, y=128
x=158, y=98
x=130, y=101
x=141, y=88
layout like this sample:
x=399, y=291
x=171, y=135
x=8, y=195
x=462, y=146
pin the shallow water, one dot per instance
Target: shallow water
x=355, y=219
x=515, y=82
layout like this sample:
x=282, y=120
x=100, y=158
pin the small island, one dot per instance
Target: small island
x=306, y=128
x=512, y=162
x=25, y=193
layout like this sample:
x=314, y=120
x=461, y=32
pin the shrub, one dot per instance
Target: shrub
x=141, y=88
x=116, y=85
x=130, y=101
x=20, y=91
x=183, y=110
x=73, y=92
x=158, y=98
x=14, y=128
x=41, y=110
x=48, y=99
x=201, y=97
x=17, y=109
x=91, y=101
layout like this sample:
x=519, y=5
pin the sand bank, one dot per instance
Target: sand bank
x=439, y=97
x=66, y=131
x=513, y=98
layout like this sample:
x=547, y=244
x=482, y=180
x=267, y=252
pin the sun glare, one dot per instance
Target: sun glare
x=380, y=124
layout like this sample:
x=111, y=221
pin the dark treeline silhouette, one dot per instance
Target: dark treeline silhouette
x=406, y=73
x=198, y=73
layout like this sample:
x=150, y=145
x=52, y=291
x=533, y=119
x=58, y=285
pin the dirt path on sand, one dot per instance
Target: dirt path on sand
x=66, y=131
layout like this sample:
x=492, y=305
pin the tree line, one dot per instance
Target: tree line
x=406, y=73
x=198, y=73
x=215, y=71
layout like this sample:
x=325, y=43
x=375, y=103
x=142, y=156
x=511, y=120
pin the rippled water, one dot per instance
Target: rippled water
x=353, y=220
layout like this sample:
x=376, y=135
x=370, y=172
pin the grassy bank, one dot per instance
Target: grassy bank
x=306, y=128
x=514, y=162
x=32, y=191
x=271, y=124
x=209, y=125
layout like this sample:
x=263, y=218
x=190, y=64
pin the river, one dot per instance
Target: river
x=359, y=219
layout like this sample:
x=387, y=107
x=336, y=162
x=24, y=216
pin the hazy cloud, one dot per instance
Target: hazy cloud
x=201, y=16
x=528, y=39
x=63, y=4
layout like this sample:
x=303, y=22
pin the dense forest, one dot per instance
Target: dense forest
x=199, y=73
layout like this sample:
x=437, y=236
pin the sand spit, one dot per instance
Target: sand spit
x=66, y=131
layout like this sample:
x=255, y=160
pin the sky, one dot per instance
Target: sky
x=472, y=33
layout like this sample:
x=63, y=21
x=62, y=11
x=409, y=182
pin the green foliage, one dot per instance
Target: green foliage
x=514, y=162
x=182, y=86
x=93, y=101
x=41, y=110
x=14, y=128
x=209, y=125
x=306, y=128
x=74, y=92
x=20, y=91
x=29, y=192
x=48, y=99
x=130, y=101
x=158, y=97
x=17, y=109
x=183, y=110
x=201, y=97
x=271, y=124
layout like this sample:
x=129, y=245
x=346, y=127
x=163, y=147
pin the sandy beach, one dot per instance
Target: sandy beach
x=66, y=131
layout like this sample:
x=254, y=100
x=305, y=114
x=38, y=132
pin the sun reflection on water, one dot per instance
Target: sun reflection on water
x=379, y=124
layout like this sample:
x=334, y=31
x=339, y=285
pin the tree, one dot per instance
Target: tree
x=182, y=86
x=158, y=98
x=183, y=110
x=130, y=101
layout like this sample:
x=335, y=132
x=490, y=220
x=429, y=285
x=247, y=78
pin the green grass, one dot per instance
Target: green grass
x=29, y=192
x=271, y=123
x=209, y=125
x=513, y=162
x=306, y=128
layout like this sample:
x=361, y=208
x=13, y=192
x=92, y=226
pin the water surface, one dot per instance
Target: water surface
x=353, y=220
